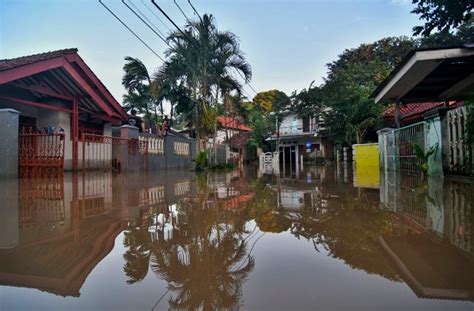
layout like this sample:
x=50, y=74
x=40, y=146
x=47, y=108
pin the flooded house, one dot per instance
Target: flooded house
x=55, y=98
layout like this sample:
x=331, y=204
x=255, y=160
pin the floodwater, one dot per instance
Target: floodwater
x=239, y=240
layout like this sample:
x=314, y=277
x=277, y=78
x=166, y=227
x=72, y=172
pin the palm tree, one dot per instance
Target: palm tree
x=202, y=58
x=139, y=85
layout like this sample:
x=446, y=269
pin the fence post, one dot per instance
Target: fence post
x=9, y=141
x=433, y=139
x=382, y=140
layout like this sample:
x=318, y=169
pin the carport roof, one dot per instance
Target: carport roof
x=430, y=75
x=61, y=74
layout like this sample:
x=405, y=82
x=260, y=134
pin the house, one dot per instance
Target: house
x=59, y=98
x=228, y=127
x=299, y=139
x=234, y=133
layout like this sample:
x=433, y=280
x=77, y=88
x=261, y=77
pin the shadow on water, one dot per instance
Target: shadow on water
x=200, y=234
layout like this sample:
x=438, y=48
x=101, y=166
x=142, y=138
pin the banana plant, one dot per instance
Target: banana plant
x=423, y=156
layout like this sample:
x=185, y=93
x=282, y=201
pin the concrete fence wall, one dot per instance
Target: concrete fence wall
x=177, y=152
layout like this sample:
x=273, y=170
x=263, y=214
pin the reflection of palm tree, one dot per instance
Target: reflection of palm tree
x=137, y=256
x=205, y=274
x=205, y=262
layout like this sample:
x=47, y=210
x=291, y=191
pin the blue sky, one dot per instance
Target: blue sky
x=287, y=42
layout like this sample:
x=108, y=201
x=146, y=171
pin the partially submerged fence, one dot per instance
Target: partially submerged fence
x=397, y=147
x=113, y=153
x=144, y=152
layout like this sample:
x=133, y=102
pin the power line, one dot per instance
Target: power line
x=157, y=17
x=172, y=22
x=184, y=34
x=125, y=25
x=194, y=9
x=151, y=28
x=182, y=12
x=146, y=17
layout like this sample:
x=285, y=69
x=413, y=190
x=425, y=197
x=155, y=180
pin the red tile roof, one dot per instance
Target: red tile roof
x=6, y=64
x=232, y=123
x=413, y=110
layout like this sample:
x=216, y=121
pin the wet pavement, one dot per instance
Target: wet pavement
x=326, y=239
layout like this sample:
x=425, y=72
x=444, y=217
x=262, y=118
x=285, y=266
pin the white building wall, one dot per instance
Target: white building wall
x=291, y=124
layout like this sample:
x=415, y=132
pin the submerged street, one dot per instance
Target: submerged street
x=240, y=239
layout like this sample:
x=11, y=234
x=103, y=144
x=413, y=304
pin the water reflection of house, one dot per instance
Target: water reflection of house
x=64, y=226
x=60, y=240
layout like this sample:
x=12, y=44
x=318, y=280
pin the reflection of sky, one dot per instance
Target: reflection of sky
x=287, y=42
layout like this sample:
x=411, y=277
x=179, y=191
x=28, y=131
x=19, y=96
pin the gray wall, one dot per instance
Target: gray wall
x=170, y=160
x=9, y=142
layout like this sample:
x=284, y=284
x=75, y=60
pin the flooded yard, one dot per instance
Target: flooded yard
x=236, y=240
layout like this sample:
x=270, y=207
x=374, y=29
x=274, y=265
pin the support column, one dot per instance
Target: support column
x=9, y=142
x=75, y=134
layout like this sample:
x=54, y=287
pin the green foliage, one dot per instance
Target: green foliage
x=343, y=101
x=442, y=15
x=423, y=157
x=308, y=102
x=202, y=59
x=463, y=35
x=202, y=162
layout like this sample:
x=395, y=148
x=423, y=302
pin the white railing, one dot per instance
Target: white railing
x=298, y=129
x=181, y=148
x=155, y=145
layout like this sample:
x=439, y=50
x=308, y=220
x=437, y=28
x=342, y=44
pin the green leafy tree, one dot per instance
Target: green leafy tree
x=442, y=15
x=464, y=34
x=308, y=102
x=351, y=79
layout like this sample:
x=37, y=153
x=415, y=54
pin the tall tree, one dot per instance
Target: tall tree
x=202, y=59
x=350, y=81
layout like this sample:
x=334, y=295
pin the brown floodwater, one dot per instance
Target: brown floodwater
x=326, y=239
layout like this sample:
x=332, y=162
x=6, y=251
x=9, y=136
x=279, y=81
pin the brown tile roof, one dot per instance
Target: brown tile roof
x=6, y=64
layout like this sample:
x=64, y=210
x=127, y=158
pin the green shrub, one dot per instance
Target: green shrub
x=202, y=162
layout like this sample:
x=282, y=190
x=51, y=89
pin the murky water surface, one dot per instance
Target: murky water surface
x=237, y=240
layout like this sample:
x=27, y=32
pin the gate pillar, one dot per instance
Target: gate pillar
x=9, y=142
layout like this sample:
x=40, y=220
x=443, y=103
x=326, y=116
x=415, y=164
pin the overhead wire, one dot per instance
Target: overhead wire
x=151, y=28
x=146, y=18
x=129, y=29
x=154, y=14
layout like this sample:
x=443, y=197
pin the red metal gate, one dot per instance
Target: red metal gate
x=40, y=153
